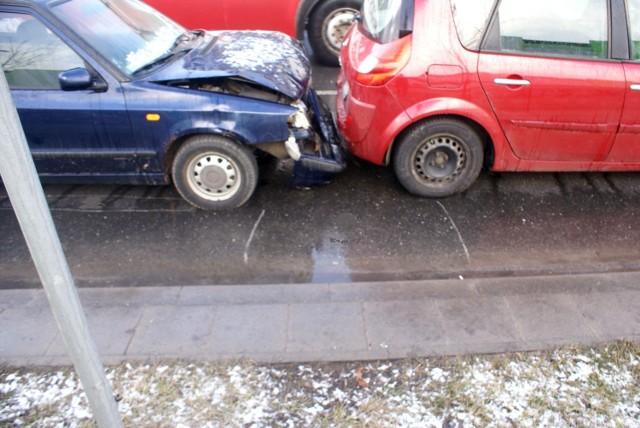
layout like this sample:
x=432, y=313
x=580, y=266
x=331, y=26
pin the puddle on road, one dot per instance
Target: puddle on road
x=330, y=257
x=330, y=264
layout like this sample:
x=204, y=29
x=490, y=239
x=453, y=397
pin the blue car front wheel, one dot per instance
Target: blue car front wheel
x=214, y=172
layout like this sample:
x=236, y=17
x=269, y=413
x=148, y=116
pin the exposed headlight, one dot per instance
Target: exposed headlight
x=299, y=119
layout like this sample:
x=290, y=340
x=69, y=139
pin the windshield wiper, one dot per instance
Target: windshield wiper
x=185, y=37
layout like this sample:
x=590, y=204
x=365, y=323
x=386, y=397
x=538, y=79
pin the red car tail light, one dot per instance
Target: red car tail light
x=384, y=62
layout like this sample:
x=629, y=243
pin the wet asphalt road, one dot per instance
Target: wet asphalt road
x=361, y=227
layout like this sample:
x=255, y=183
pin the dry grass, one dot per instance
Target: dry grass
x=566, y=387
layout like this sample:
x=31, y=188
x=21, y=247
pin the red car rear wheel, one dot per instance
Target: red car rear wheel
x=438, y=158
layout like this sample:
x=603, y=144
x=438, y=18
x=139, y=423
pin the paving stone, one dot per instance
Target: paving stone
x=253, y=294
x=613, y=316
x=298, y=322
x=470, y=322
x=111, y=329
x=21, y=298
x=173, y=331
x=26, y=332
x=549, y=318
x=247, y=330
x=627, y=183
x=129, y=296
x=574, y=182
x=325, y=327
x=532, y=184
x=565, y=284
x=403, y=290
x=410, y=327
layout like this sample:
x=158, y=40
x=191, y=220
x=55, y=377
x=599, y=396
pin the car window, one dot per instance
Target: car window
x=31, y=55
x=633, y=8
x=387, y=20
x=576, y=28
x=128, y=34
x=471, y=18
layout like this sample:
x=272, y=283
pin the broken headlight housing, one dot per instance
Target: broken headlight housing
x=299, y=119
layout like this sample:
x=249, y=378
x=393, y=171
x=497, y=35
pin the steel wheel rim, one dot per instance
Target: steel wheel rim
x=213, y=176
x=440, y=159
x=336, y=26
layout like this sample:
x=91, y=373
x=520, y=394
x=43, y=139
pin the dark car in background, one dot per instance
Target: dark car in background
x=325, y=21
x=111, y=91
x=439, y=88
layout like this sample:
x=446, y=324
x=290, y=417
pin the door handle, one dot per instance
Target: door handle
x=511, y=82
x=635, y=87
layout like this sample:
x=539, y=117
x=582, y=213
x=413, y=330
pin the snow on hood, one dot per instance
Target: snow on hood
x=268, y=58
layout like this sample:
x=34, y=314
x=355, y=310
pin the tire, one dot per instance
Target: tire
x=213, y=172
x=327, y=26
x=438, y=158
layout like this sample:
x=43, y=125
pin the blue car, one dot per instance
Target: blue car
x=111, y=91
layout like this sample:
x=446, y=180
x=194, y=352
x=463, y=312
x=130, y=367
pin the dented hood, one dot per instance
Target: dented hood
x=270, y=59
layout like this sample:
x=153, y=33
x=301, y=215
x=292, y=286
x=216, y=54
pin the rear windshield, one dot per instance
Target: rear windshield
x=387, y=20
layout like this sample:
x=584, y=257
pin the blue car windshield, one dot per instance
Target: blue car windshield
x=128, y=33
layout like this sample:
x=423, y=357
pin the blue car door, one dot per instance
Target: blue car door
x=81, y=135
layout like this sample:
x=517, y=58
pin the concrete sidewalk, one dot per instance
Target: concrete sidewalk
x=330, y=322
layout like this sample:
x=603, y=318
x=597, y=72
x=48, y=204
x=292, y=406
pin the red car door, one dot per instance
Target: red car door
x=554, y=109
x=627, y=144
x=548, y=78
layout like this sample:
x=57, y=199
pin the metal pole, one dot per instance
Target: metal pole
x=27, y=197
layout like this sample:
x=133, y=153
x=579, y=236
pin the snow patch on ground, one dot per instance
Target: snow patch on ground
x=592, y=387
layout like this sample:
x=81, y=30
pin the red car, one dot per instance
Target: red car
x=325, y=21
x=439, y=88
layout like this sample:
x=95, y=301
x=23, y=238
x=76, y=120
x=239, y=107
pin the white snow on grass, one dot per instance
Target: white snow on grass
x=564, y=388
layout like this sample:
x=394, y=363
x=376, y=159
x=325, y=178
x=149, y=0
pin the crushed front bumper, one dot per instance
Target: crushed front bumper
x=320, y=154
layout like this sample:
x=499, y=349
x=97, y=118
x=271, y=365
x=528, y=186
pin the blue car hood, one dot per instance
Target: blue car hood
x=273, y=60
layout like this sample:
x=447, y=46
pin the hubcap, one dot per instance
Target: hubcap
x=440, y=159
x=213, y=176
x=336, y=26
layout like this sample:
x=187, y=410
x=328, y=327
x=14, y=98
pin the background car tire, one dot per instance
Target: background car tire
x=438, y=158
x=213, y=172
x=328, y=23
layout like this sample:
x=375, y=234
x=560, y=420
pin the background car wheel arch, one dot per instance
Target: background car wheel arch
x=306, y=12
x=305, y=8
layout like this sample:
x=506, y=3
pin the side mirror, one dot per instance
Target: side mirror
x=78, y=79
